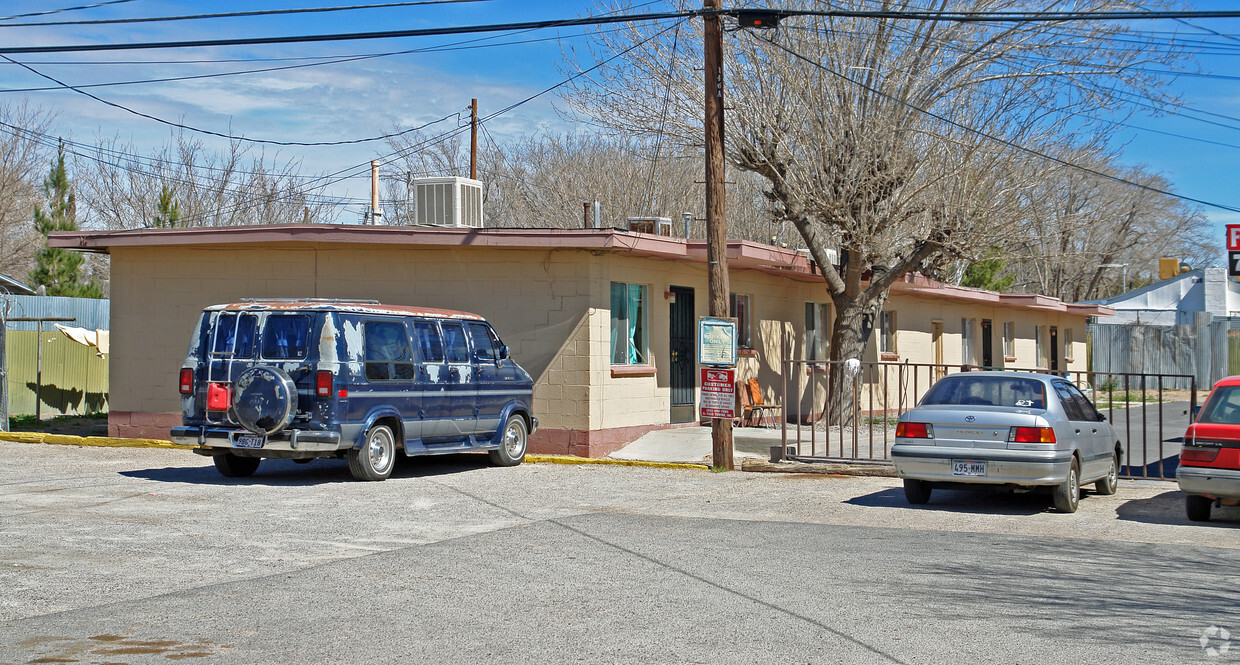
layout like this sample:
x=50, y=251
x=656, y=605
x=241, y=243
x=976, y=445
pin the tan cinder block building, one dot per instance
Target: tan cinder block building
x=603, y=319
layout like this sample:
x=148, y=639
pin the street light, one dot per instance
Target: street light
x=1124, y=286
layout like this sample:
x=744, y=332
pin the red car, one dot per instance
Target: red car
x=1209, y=470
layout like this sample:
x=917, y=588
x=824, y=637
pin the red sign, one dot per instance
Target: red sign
x=718, y=393
x=1233, y=237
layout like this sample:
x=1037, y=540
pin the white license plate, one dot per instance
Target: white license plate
x=962, y=467
x=250, y=441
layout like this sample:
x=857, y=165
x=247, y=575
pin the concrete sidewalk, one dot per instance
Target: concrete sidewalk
x=693, y=445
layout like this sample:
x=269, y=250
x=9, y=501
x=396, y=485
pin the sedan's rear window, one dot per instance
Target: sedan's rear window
x=286, y=337
x=1222, y=407
x=988, y=391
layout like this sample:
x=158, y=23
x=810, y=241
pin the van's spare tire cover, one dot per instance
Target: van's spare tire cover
x=265, y=399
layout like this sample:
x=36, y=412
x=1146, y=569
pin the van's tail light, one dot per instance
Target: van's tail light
x=187, y=381
x=323, y=383
x=1031, y=435
x=1196, y=454
x=915, y=430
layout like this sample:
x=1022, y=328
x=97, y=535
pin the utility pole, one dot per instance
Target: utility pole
x=473, y=139
x=375, y=213
x=716, y=221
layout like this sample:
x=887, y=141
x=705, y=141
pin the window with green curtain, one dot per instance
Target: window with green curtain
x=628, y=324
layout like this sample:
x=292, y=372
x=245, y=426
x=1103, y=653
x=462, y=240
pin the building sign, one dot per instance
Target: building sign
x=1233, y=250
x=717, y=341
x=718, y=393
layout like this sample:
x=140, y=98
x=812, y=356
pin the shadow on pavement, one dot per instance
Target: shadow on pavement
x=1168, y=508
x=988, y=501
x=316, y=472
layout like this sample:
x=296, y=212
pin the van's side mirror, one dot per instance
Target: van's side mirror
x=503, y=352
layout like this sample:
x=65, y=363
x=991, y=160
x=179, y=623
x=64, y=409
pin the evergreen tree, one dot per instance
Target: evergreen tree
x=59, y=270
x=167, y=213
x=985, y=274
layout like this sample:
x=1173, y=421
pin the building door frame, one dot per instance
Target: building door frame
x=988, y=357
x=683, y=354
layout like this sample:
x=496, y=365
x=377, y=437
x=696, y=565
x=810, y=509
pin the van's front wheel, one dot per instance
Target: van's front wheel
x=512, y=444
x=375, y=459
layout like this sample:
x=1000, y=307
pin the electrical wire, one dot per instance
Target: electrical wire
x=67, y=9
x=258, y=12
x=991, y=137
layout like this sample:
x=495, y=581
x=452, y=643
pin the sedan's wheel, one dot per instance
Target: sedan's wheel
x=1110, y=483
x=1068, y=495
x=917, y=491
x=375, y=459
x=232, y=466
x=1197, y=508
x=512, y=443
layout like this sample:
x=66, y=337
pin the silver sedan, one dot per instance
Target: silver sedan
x=1006, y=429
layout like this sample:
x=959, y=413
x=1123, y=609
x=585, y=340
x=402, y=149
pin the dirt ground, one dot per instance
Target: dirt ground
x=92, y=425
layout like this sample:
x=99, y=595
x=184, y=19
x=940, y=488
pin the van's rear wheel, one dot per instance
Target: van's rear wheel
x=512, y=444
x=232, y=466
x=375, y=459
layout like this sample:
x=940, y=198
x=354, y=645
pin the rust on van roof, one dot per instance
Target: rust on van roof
x=351, y=306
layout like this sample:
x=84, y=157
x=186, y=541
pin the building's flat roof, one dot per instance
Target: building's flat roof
x=742, y=254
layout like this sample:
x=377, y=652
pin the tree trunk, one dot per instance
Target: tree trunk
x=855, y=321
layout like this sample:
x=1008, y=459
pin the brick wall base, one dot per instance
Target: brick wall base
x=141, y=424
x=581, y=443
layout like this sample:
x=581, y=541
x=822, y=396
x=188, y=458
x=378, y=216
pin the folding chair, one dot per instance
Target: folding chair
x=759, y=406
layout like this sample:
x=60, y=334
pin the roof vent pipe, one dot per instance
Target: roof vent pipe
x=598, y=215
x=688, y=218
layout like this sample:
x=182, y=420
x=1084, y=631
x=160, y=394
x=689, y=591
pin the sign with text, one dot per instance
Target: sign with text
x=717, y=341
x=1233, y=264
x=718, y=393
x=1233, y=237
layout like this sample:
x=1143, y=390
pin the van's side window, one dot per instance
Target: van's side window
x=430, y=344
x=454, y=342
x=484, y=341
x=286, y=337
x=387, y=351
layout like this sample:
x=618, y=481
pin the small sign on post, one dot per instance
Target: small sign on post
x=718, y=393
x=717, y=341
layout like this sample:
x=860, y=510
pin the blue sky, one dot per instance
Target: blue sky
x=370, y=97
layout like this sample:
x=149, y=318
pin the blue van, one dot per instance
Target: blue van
x=304, y=379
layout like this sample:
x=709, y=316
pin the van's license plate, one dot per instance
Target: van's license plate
x=250, y=441
x=962, y=467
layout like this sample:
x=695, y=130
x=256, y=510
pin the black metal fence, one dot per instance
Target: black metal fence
x=848, y=410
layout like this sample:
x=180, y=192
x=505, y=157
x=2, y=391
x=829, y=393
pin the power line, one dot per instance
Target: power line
x=387, y=34
x=207, y=131
x=1002, y=141
x=260, y=12
x=66, y=9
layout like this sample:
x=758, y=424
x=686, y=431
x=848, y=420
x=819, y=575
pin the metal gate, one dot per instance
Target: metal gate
x=845, y=410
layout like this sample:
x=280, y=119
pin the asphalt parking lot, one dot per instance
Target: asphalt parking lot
x=119, y=555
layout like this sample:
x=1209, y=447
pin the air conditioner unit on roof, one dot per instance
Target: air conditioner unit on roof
x=659, y=226
x=452, y=202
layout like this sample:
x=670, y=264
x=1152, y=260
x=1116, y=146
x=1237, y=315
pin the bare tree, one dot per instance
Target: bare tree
x=1075, y=223
x=889, y=140
x=121, y=189
x=23, y=159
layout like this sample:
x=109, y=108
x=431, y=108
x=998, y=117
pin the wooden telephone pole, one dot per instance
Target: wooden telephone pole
x=716, y=221
x=473, y=139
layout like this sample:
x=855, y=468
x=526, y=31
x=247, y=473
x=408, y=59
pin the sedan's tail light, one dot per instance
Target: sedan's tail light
x=187, y=380
x=323, y=383
x=1195, y=454
x=1031, y=435
x=915, y=430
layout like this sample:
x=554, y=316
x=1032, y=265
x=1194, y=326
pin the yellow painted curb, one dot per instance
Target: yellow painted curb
x=97, y=441
x=569, y=459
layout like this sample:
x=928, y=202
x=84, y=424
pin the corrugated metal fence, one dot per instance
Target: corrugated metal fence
x=1199, y=349
x=74, y=377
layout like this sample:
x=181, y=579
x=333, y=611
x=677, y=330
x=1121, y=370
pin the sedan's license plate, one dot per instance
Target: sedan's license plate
x=250, y=441
x=968, y=468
